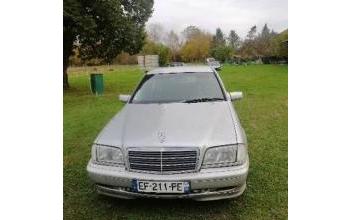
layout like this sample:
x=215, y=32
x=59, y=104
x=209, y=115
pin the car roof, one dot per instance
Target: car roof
x=182, y=69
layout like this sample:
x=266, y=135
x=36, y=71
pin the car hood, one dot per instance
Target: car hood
x=170, y=125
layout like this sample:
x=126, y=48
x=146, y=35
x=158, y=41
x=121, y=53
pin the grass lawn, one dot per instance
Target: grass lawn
x=263, y=114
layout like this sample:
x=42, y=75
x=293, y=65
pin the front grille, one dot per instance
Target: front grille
x=163, y=161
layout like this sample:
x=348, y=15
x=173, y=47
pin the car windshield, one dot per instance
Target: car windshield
x=178, y=87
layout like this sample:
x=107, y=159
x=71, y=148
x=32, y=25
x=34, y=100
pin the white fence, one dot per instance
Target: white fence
x=148, y=62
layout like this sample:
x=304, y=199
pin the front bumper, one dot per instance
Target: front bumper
x=207, y=184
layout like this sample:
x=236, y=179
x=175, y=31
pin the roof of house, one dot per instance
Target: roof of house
x=181, y=69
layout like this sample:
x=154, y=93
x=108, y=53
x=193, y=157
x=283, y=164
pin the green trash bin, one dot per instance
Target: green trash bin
x=97, y=83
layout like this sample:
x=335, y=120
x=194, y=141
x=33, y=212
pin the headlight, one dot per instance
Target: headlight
x=242, y=154
x=111, y=155
x=225, y=156
x=220, y=156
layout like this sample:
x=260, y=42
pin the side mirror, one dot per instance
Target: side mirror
x=236, y=96
x=124, y=98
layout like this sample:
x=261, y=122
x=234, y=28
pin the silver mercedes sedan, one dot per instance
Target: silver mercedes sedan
x=178, y=136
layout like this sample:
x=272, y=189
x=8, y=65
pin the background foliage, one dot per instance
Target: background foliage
x=103, y=29
x=151, y=47
x=195, y=45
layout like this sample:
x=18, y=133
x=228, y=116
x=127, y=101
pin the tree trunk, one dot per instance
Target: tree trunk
x=66, y=85
x=68, y=47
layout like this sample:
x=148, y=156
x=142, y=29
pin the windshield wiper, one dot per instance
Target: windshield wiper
x=203, y=100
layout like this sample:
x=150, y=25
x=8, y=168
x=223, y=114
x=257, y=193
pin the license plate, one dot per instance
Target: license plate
x=161, y=186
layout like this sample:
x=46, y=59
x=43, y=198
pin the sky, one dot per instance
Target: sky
x=239, y=15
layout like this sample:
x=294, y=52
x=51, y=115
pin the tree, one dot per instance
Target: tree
x=219, y=50
x=222, y=53
x=252, y=32
x=155, y=32
x=173, y=42
x=196, y=49
x=191, y=32
x=265, y=32
x=103, y=29
x=249, y=47
x=263, y=42
x=151, y=47
x=219, y=39
x=279, y=44
x=234, y=40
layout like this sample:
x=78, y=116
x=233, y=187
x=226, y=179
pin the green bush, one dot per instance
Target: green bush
x=125, y=59
x=152, y=48
x=221, y=53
